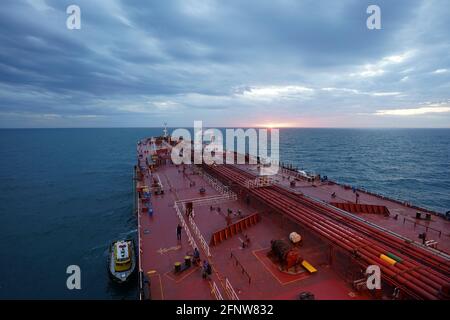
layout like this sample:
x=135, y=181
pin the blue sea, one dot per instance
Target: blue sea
x=65, y=194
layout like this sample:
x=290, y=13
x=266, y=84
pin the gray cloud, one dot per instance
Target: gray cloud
x=141, y=63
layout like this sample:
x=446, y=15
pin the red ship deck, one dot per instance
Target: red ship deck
x=248, y=273
x=406, y=224
x=160, y=250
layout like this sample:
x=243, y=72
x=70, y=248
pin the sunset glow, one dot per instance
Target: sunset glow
x=272, y=125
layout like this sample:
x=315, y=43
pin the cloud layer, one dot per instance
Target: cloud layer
x=228, y=63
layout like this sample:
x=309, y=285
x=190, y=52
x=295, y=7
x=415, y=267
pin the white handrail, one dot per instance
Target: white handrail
x=216, y=184
x=185, y=227
x=216, y=199
x=225, y=196
x=197, y=232
x=230, y=291
x=216, y=292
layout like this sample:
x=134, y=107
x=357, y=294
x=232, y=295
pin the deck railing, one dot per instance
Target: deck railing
x=185, y=227
x=405, y=219
x=212, y=200
x=259, y=182
x=216, y=292
x=194, y=227
x=238, y=263
x=230, y=291
x=199, y=235
x=140, y=269
x=216, y=184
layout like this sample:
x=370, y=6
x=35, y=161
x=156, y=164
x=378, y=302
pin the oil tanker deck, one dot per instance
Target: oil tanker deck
x=287, y=236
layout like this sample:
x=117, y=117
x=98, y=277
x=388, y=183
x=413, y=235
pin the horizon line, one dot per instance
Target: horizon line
x=219, y=127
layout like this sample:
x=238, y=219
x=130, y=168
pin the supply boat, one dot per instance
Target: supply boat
x=122, y=260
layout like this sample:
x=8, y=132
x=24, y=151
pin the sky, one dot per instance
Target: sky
x=234, y=63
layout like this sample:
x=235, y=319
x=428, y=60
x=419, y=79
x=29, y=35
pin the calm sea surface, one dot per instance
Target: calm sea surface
x=65, y=194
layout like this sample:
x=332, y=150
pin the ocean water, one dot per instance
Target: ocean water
x=65, y=194
x=406, y=164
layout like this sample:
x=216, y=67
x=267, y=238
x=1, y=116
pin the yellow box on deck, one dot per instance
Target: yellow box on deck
x=308, y=266
x=387, y=259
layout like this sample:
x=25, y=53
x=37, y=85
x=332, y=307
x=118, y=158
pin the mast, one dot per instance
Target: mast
x=165, y=130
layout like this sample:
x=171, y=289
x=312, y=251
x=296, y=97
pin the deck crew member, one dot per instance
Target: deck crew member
x=179, y=232
x=196, y=257
x=206, y=270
